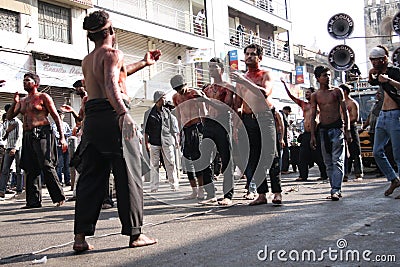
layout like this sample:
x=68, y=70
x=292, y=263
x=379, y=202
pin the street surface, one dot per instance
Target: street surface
x=307, y=230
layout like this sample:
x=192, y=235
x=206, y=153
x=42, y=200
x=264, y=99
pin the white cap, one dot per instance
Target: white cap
x=377, y=52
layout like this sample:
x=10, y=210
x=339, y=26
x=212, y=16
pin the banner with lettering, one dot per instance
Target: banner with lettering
x=58, y=74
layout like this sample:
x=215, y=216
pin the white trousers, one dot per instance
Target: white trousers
x=168, y=153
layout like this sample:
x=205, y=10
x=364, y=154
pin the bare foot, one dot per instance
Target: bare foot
x=142, y=241
x=60, y=203
x=225, y=202
x=80, y=244
x=277, y=199
x=261, y=199
x=249, y=196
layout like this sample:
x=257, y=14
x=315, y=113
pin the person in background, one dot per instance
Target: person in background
x=63, y=156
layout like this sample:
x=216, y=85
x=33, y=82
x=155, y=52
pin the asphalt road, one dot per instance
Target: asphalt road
x=307, y=230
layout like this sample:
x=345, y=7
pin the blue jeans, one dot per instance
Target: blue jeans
x=334, y=160
x=387, y=128
x=5, y=172
x=63, y=166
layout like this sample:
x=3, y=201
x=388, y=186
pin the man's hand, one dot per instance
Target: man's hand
x=16, y=97
x=64, y=145
x=152, y=56
x=313, y=143
x=238, y=77
x=12, y=152
x=128, y=126
x=66, y=108
x=348, y=137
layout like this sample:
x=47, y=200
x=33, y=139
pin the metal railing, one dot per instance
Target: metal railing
x=275, y=7
x=277, y=49
x=157, y=13
x=162, y=72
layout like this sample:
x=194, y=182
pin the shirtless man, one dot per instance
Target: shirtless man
x=353, y=147
x=39, y=153
x=387, y=126
x=107, y=114
x=253, y=90
x=306, y=154
x=331, y=104
x=190, y=112
x=218, y=127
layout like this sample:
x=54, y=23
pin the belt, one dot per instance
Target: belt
x=390, y=110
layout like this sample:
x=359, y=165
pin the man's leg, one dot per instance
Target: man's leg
x=338, y=154
x=18, y=171
x=5, y=172
x=60, y=164
x=90, y=192
x=168, y=153
x=304, y=156
x=66, y=171
x=155, y=167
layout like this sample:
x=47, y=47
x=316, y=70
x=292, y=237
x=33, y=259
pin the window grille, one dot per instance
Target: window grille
x=54, y=23
x=9, y=21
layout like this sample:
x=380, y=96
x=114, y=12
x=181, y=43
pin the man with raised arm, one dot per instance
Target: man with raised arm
x=307, y=155
x=332, y=107
x=254, y=90
x=107, y=127
x=39, y=152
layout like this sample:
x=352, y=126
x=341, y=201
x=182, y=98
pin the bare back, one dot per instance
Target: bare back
x=101, y=65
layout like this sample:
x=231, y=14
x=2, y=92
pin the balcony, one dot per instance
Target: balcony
x=275, y=7
x=273, y=48
x=156, y=13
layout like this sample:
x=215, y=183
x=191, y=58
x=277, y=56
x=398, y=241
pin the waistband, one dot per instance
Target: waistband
x=336, y=124
x=41, y=128
x=390, y=110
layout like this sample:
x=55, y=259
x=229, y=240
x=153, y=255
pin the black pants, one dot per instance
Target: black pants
x=260, y=132
x=219, y=131
x=285, y=158
x=91, y=189
x=308, y=156
x=39, y=155
x=355, y=154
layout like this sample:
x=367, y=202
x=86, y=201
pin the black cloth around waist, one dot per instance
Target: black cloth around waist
x=337, y=124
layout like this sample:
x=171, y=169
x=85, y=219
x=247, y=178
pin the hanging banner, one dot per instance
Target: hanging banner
x=233, y=59
x=58, y=74
x=299, y=75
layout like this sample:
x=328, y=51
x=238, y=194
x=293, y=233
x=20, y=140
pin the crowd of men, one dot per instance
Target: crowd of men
x=221, y=119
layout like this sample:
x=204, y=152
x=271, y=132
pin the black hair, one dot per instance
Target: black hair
x=78, y=83
x=7, y=107
x=312, y=89
x=319, y=70
x=345, y=87
x=94, y=21
x=258, y=48
x=384, y=48
x=33, y=76
x=219, y=62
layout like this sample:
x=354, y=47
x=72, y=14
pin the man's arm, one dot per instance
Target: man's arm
x=345, y=113
x=295, y=99
x=15, y=108
x=265, y=89
x=149, y=59
x=313, y=102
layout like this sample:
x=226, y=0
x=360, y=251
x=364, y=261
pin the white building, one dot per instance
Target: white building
x=47, y=37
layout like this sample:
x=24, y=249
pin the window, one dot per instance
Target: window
x=54, y=23
x=9, y=20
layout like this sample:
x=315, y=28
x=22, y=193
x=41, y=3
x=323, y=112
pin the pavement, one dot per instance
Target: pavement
x=362, y=229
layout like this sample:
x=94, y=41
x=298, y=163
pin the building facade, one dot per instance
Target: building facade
x=46, y=36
